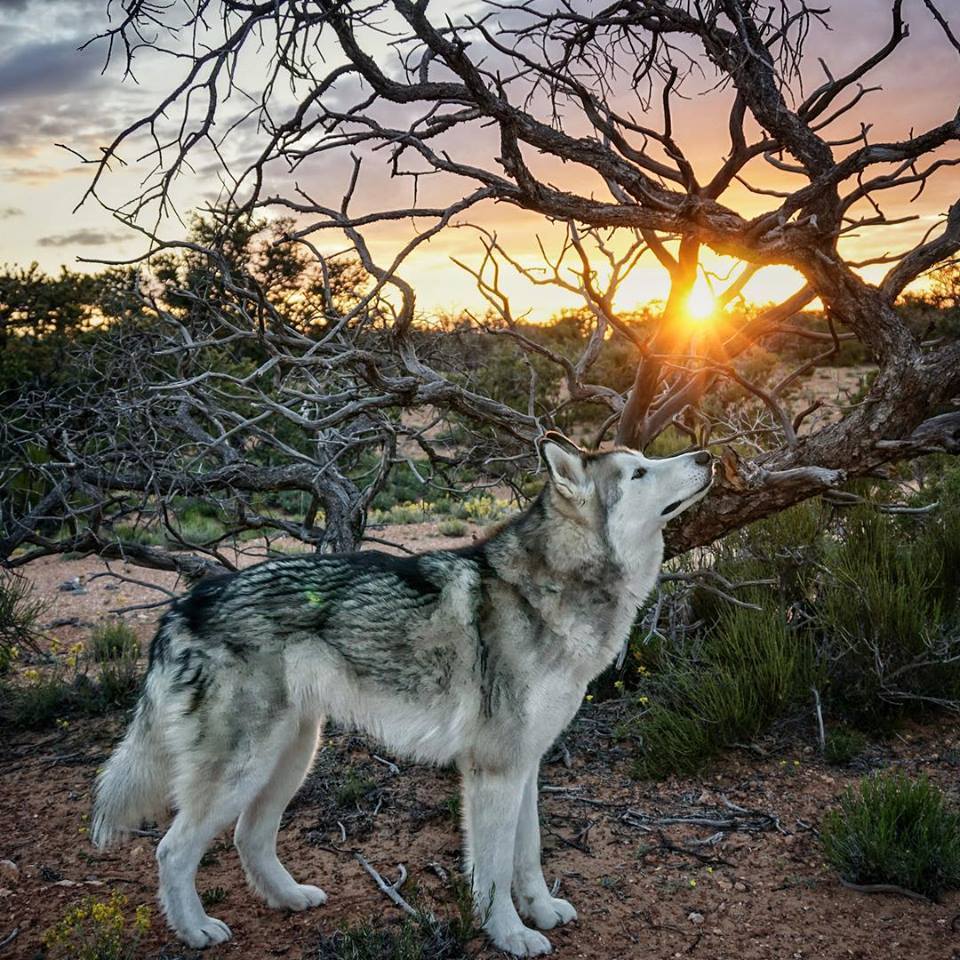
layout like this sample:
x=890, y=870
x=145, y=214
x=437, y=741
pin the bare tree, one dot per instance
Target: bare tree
x=486, y=107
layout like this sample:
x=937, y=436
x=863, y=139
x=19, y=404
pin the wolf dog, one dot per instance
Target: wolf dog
x=477, y=656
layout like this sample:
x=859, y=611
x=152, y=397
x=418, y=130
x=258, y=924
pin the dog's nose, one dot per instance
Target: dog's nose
x=703, y=458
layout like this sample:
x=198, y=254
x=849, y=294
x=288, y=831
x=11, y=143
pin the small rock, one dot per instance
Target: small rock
x=9, y=870
x=73, y=585
x=740, y=887
x=695, y=918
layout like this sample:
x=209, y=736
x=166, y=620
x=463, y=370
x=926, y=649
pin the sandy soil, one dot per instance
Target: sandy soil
x=760, y=892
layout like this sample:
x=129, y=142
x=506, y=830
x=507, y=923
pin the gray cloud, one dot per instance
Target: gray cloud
x=7, y=212
x=43, y=68
x=84, y=238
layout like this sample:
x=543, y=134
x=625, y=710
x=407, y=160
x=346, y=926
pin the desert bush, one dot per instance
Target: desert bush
x=723, y=687
x=111, y=641
x=886, y=613
x=353, y=788
x=20, y=613
x=843, y=744
x=39, y=697
x=862, y=603
x=453, y=528
x=195, y=525
x=117, y=684
x=98, y=930
x=894, y=830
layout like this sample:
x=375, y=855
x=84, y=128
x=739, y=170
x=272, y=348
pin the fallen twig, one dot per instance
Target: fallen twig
x=390, y=889
x=389, y=764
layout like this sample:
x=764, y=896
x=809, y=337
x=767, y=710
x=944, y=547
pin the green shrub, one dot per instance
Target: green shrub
x=37, y=698
x=147, y=535
x=111, y=641
x=724, y=687
x=20, y=614
x=117, y=685
x=863, y=604
x=453, y=528
x=195, y=526
x=886, y=613
x=353, y=788
x=37, y=701
x=841, y=745
x=895, y=831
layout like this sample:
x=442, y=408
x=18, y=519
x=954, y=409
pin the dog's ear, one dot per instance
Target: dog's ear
x=566, y=465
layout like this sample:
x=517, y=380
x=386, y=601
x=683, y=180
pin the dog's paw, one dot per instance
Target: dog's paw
x=208, y=933
x=548, y=913
x=301, y=896
x=522, y=942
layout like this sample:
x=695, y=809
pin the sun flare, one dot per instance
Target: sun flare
x=701, y=303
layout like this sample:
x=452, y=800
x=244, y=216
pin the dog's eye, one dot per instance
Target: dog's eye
x=639, y=472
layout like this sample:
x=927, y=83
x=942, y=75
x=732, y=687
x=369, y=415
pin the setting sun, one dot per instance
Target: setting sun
x=701, y=302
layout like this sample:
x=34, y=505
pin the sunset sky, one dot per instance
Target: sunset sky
x=52, y=93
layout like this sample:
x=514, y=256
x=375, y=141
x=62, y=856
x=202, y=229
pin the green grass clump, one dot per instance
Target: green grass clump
x=895, y=831
x=453, y=528
x=211, y=897
x=111, y=641
x=353, y=789
x=843, y=745
x=148, y=536
x=117, y=684
x=743, y=673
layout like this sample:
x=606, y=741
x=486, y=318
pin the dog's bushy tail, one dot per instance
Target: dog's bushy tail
x=134, y=784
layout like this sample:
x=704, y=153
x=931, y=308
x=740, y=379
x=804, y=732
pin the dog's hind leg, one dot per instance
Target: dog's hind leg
x=210, y=808
x=491, y=807
x=534, y=900
x=211, y=789
x=256, y=833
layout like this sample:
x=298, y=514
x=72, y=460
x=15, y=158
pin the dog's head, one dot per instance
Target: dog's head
x=627, y=495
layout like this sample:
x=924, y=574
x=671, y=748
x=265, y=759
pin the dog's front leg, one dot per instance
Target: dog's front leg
x=491, y=807
x=533, y=896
